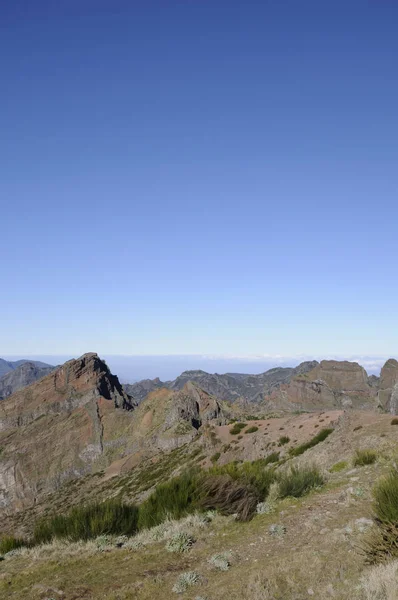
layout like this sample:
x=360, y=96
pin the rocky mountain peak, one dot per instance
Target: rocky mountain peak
x=73, y=385
x=90, y=371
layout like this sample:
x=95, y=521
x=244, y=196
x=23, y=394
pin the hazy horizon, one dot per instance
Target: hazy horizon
x=167, y=367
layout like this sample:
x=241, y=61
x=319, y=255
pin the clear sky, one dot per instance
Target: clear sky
x=199, y=176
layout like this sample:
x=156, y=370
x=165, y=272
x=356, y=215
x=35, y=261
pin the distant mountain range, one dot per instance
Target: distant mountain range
x=229, y=386
x=17, y=375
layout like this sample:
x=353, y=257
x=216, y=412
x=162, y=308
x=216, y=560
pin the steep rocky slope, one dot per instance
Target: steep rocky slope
x=388, y=388
x=330, y=384
x=58, y=428
x=79, y=420
x=21, y=376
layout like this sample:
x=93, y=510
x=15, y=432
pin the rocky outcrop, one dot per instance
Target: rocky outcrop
x=60, y=427
x=387, y=398
x=196, y=407
x=20, y=377
x=330, y=384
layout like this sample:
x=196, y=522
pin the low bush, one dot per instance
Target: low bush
x=237, y=428
x=8, y=543
x=284, y=439
x=381, y=543
x=357, y=428
x=299, y=481
x=339, y=466
x=215, y=457
x=394, y=421
x=221, y=562
x=174, y=499
x=228, y=496
x=87, y=522
x=180, y=542
x=385, y=494
x=271, y=458
x=185, y=581
x=251, y=429
x=320, y=437
x=364, y=457
x=252, y=473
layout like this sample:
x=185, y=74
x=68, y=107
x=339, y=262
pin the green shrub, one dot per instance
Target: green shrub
x=339, y=466
x=271, y=458
x=253, y=474
x=91, y=521
x=8, y=543
x=284, y=439
x=215, y=457
x=200, y=458
x=394, y=421
x=299, y=481
x=381, y=543
x=357, y=428
x=175, y=499
x=320, y=437
x=237, y=428
x=364, y=457
x=385, y=495
x=251, y=429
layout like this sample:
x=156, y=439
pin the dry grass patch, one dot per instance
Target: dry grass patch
x=381, y=583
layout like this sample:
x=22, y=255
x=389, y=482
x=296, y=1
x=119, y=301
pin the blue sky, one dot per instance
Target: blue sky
x=195, y=177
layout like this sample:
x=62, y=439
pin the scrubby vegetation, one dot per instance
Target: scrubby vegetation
x=385, y=496
x=339, y=466
x=185, y=581
x=237, y=428
x=284, y=439
x=320, y=437
x=271, y=458
x=8, y=543
x=221, y=562
x=251, y=429
x=299, y=481
x=87, y=522
x=394, y=421
x=173, y=499
x=364, y=457
x=215, y=457
x=382, y=541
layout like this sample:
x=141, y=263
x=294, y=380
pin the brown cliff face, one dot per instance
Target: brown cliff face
x=58, y=428
x=388, y=393
x=331, y=384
